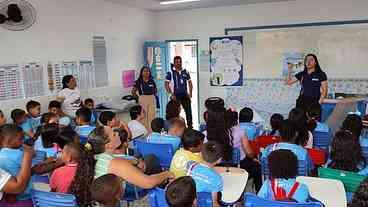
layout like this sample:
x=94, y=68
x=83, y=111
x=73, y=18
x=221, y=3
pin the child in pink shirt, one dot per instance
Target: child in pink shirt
x=62, y=177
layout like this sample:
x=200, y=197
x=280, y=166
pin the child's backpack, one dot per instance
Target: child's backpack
x=279, y=193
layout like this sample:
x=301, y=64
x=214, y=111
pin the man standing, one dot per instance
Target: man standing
x=179, y=79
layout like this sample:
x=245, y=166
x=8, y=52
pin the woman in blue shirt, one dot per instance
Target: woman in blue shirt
x=145, y=88
x=313, y=80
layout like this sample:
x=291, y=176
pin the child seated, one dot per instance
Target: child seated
x=192, y=143
x=46, y=135
x=135, y=125
x=89, y=103
x=346, y=154
x=275, y=122
x=62, y=177
x=176, y=130
x=110, y=119
x=157, y=126
x=2, y=118
x=282, y=185
x=288, y=134
x=19, y=118
x=34, y=111
x=11, y=155
x=106, y=191
x=204, y=174
x=83, y=119
x=354, y=124
x=55, y=107
x=314, y=118
x=181, y=192
x=49, y=118
x=298, y=118
x=245, y=123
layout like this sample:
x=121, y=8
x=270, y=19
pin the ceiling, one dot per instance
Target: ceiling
x=154, y=5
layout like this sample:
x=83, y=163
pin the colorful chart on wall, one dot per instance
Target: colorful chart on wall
x=11, y=82
x=226, y=61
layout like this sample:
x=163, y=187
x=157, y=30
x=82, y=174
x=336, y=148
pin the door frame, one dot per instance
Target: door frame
x=197, y=42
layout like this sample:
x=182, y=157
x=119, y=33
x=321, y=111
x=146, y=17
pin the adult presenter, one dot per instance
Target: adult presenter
x=69, y=96
x=177, y=83
x=145, y=88
x=313, y=81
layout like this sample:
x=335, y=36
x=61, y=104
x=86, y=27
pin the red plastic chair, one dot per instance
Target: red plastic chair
x=318, y=156
x=262, y=142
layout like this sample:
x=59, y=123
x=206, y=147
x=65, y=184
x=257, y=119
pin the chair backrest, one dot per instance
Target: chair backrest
x=164, y=152
x=263, y=142
x=156, y=198
x=235, y=161
x=322, y=140
x=47, y=199
x=317, y=156
x=252, y=200
x=350, y=180
x=302, y=167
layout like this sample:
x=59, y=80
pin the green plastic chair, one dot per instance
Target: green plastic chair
x=350, y=180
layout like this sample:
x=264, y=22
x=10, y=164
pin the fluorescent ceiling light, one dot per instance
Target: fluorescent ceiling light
x=177, y=1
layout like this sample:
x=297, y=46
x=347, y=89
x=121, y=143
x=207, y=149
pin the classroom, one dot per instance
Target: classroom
x=183, y=103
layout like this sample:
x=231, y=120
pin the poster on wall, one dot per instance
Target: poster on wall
x=33, y=79
x=11, y=82
x=128, y=78
x=86, y=75
x=226, y=61
x=293, y=61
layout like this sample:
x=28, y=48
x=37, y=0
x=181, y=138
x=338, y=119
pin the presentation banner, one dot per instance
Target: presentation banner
x=226, y=61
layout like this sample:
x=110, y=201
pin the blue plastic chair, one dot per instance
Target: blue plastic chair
x=235, y=161
x=156, y=198
x=302, y=168
x=47, y=199
x=252, y=200
x=39, y=157
x=364, y=146
x=164, y=152
x=322, y=140
x=133, y=193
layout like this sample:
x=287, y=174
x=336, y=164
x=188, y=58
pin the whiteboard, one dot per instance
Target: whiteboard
x=342, y=50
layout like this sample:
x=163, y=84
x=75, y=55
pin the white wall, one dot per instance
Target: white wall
x=204, y=23
x=64, y=31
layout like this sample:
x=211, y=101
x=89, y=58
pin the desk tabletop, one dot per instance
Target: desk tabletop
x=330, y=192
x=234, y=184
x=342, y=100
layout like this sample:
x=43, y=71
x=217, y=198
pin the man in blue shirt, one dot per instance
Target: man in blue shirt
x=179, y=79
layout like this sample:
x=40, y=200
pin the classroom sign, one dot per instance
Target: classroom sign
x=226, y=61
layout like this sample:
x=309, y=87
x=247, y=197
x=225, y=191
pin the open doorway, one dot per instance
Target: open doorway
x=188, y=51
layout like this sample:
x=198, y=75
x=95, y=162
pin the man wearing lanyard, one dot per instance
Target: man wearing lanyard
x=179, y=78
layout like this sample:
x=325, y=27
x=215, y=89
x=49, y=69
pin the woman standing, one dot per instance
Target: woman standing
x=313, y=80
x=145, y=88
x=69, y=96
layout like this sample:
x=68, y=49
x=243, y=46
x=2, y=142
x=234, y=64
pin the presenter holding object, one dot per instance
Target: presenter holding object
x=314, y=85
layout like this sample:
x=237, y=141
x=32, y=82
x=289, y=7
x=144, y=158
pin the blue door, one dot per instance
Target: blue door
x=157, y=59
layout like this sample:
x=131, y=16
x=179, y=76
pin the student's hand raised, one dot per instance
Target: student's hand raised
x=28, y=152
